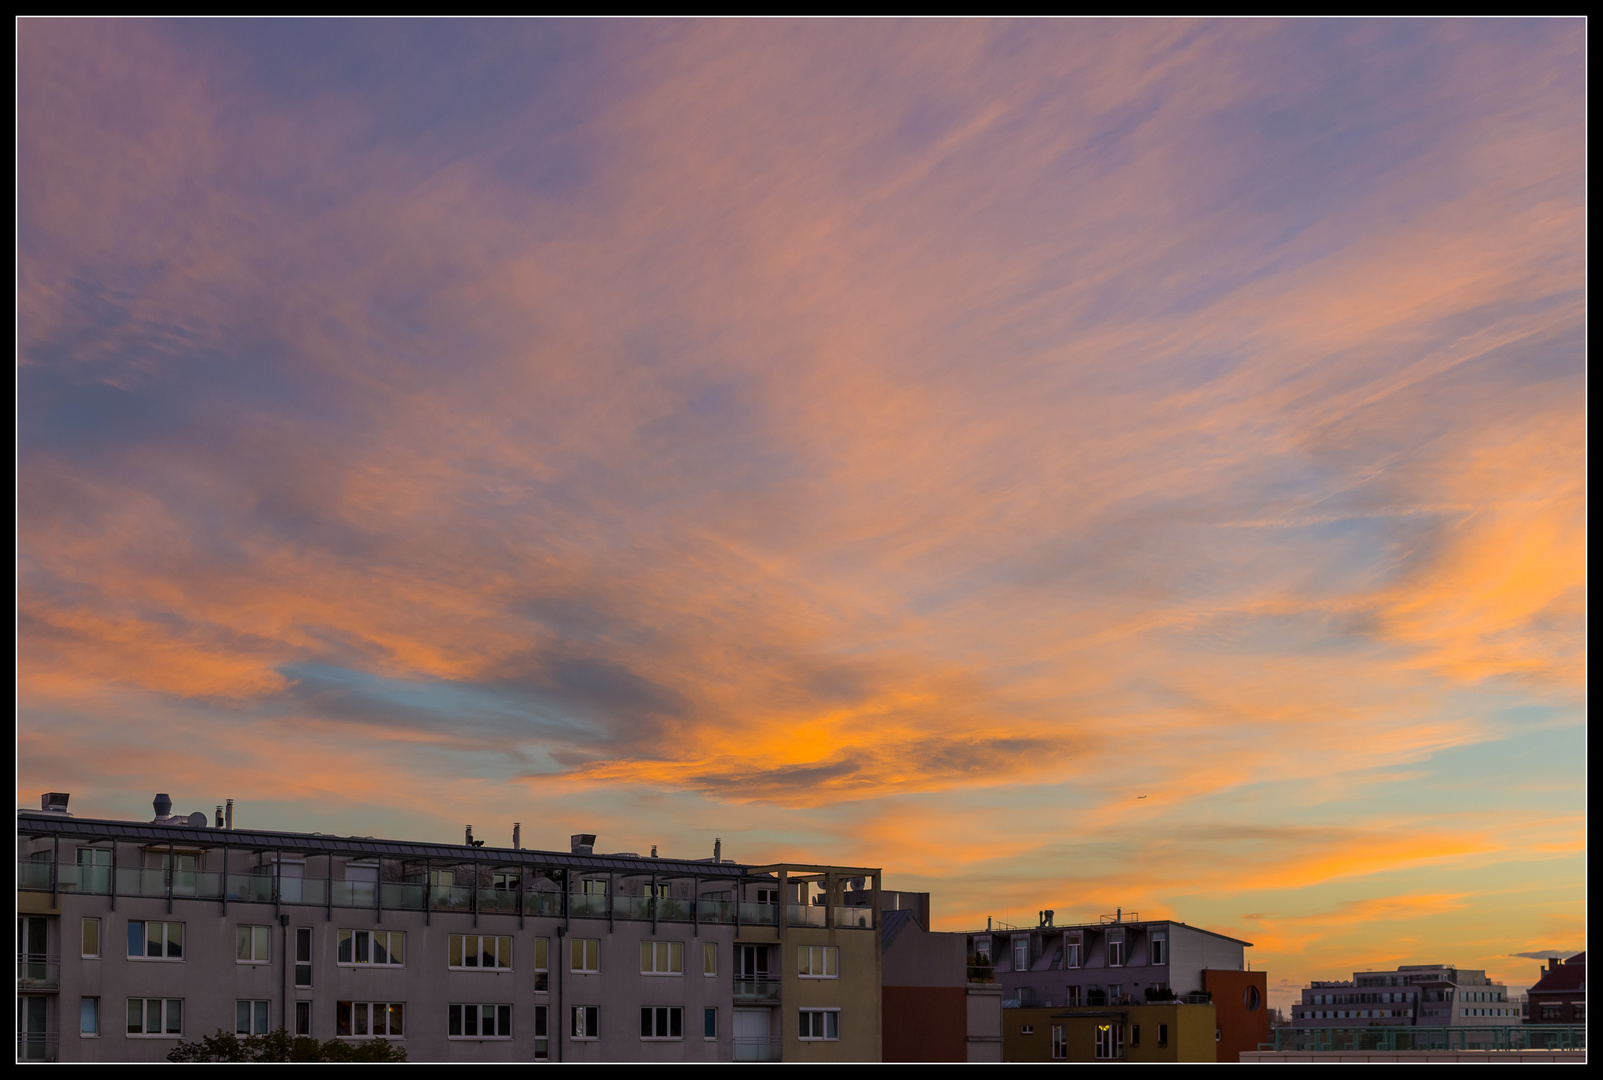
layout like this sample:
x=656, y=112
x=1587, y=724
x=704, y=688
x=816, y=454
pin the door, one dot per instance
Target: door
x=751, y=962
x=31, y=951
x=34, y=1044
x=751, y=1036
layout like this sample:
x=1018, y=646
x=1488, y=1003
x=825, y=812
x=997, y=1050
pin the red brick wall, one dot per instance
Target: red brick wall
x=1240, y=1028
x=925, y=1023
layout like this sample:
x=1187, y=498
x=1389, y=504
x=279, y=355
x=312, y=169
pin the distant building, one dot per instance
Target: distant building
x=1121, y=961
x=1559, y=996
x=1172, y=1031
x=931, y=1011
x=1415, y=995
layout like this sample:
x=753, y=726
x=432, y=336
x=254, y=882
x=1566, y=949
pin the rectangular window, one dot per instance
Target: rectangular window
x=250, y=945
x=1160, y=948
x=1071, y=997
x=365, y=1019
x=1021, y=954
x=1163, y=1034
x=586, y=955
x=586, y=1022
x=479, y=1021
x=819, y=1024
x=155, y=940
x=384, y=948
x=303, y=1018
x=155, y=1016
x=250, y=1017
x=91, y=937
x=709, y=958
x=1072, y=944
x=1060, y=1044
x=1115, y=948
x=662, y=1023
x=709, y=1023
x=542, y=1043
x=818, y=962
x=1115, y=992
x=662, y=958
x=480, y=951
x=1135, y=1034
x=982, y=950
x=303, y=956
x=1109, y=1041
x=542, y=975
x=89, y=1015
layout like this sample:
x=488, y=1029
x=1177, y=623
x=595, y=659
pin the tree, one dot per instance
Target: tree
x=281, y=1046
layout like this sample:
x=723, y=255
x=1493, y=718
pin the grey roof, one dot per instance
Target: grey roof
x=891, y=923
x=36, y=823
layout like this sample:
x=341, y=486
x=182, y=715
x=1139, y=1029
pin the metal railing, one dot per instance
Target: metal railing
x=38, y=1046
x=749, y=1048
x=757, y=988
x=1395, y=1037
x=38, y=971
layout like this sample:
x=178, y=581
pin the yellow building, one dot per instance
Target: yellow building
x=1167, y=1031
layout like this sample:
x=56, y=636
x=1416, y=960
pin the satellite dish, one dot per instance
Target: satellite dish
x=197, y=820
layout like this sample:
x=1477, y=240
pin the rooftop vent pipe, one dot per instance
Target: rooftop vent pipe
x=582, y=843
x=228, y=815
x=517, y=836
x=164, y=806
x=219, y=816
x=54, y=802
x=717, y=850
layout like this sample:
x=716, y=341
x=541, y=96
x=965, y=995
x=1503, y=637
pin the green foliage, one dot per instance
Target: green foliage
x=1159, y=993
x=280, y=1045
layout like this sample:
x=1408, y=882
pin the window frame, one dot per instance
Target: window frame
x=1158, y=949
x=247, y=933
x=165, y=956
x=389, y=1008
x=667, y=1014
x=83, y=935
x=658, y=949
x=93, y=1002
x=354, y=936
x=457, y=945
x=1060, y=1043
x=582, y=946
x=709, y=1019
x=542, y=965
x=255, y=1009
x=303, y=1007
x=826, y=1024
x=709, y=959
x=502, y=1011
x=1021, y=945
x=144, y=1019
x=828, y=957
x=591, y=1016
x=1109, y=1043
x=542, y=1033
x=303, y=935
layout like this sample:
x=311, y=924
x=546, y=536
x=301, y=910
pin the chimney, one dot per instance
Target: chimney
x=1050, y=915
x=228, y=815
x=653, y=851
x=1118, y=914
x=164, y=806
x=54, y=802
x=469, y=840
x=582, y=843
x=717, y=850
x=219, y=816
x=517, y=836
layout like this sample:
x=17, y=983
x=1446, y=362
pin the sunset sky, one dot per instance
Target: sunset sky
x=901, y=444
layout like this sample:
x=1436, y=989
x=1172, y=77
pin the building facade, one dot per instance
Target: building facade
x=1168, y=1032
x=134, y=936
x=1414, y=995
x=932, y=1011
x=1559, y=996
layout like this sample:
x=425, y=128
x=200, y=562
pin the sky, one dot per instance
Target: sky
x=1079, y=464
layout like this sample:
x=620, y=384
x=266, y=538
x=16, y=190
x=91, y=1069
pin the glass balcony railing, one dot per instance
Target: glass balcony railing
x=632, y=907
x=247, y=887
x=754, y=1049
x=587, y=905
x=38, y=971
x=504, y=900
x=33, y=875
x=759, y=914
x=762, y=989
x=403, y=895
x=715, y=911
x=804, y=914
x=860, y=917
x=39, y=1046
x=542, y=903
x=673, y=909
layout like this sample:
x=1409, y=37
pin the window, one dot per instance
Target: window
x=542, y=1044
x=662, y=1023
x=381, y=947
x=751, y=961
x=1115, y=992
x=303, y=1018
x=1026, y=997
x=1109, y=1041
x=820, y=1024
x=1116, y=948
x=358, y=1019
x=1550, y=1012
x=1160, y=948
x=91, y=937
x=662, y=958
x=1071, y=997
x=480, y=951
x=303, y=956
x=586, y=954
x=818, y=962
x=1060, y=1044
x=709, y=958
x=89, y=1016
x=1135, y=1034
x=250, y=1017
x=542, y=975
x=250, y=945
x=768, y=896
x=709, y=1023
x=155, y=940
x=155, y=1016
x=1218, y=1035
x=659, y=891
x=586, y=1022
x=1026, y=1029
x=1163, y=1034
x=1578, y=1011
x=479, y=1022
x=1071, y=954
x=1021, y=954
x=982, y=950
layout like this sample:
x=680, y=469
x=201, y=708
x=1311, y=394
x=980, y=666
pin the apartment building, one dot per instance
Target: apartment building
x=1414, y=995
x=134, y=936
x=1168, y=1032
x=1559, y=996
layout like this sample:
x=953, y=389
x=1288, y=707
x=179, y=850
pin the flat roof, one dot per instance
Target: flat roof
x=1111, y=926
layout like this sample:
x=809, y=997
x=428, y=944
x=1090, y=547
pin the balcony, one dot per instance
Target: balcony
x=41, y=1046
x=749, y=1048
x=757, y=990
x=32, y=874
x=38, y=971
x=860, y=917
x=804, y=915
x=587, y=905
x=759, y=915
x=542, y=903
